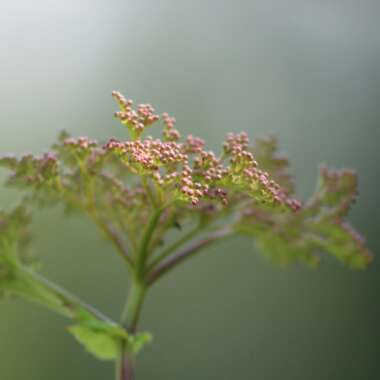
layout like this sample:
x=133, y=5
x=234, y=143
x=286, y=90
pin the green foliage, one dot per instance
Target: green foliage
x=102, y=345
x=317, y=227
x=265, y=152
x=14, y=239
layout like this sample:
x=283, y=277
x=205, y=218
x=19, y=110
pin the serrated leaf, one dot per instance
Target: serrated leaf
x=336, y=191
x=265, y=151
x=342, y=241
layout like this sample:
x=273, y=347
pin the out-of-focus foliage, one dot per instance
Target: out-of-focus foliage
x=14, y=239
x=317, y=227
x=19, y=277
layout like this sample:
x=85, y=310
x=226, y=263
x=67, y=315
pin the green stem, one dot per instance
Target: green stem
x=126, y=362
x=144, y=248
x=173, y=247
x=184, y=254
x=133, y=306
x=149, y=192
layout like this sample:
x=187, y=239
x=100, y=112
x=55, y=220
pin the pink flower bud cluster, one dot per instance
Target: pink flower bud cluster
x=193, y=144
x=243, y=163
x=49, y=164
x=138, y=119
x=168, y=162
x=49, y=157
x=236, y=142
x=80, y=142
x=150, y=153
x=169, y=132
x=209, y=166
x=189, y=188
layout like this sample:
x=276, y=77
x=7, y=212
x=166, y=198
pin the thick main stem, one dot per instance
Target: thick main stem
x=133, y=307
x=131, y=313
x=125, y=368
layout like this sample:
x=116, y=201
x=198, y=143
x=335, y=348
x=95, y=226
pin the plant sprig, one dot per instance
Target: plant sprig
x=168, y=186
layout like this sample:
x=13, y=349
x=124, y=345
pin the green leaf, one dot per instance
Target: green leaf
x=98, y=341
x=104, y=340
x=336, y=191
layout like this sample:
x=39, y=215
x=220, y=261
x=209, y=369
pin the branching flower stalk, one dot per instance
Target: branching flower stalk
x=141, y=192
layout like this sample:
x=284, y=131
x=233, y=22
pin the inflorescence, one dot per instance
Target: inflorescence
x=196, y=173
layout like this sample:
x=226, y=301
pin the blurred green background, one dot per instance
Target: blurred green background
x=306, y=70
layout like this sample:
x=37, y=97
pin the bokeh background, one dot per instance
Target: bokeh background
x=306, y=70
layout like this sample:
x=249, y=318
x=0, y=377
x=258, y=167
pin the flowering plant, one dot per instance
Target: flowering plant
x=167, y=185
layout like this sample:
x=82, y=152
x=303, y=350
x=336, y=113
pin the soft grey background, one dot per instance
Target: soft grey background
x=306, y=70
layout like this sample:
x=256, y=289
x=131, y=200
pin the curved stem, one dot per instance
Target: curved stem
x=185, y=253
x=114, y=237
x=177, y=244
x=144, y=248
